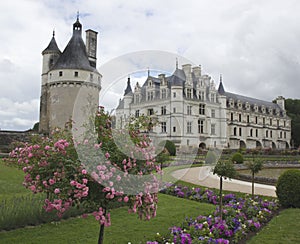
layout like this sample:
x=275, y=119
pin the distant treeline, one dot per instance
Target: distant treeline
x=293, y=110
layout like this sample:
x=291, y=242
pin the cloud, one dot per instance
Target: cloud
x=252, y=43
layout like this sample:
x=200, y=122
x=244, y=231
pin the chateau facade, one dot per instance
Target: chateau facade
x=69, y=79
x=191, y=111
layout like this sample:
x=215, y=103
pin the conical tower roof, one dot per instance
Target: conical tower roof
x=74, y=56
x=52, y=47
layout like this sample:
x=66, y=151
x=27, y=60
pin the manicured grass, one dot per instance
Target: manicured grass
x=283, y=228
x=125, y=227
x=269, y=173
x=11, y=180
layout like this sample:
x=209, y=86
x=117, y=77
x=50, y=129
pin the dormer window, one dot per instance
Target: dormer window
x=60, y=73
x=150, y=83
x=76, y=74
x=91, y=77
x=189, y=93
x=263, y=109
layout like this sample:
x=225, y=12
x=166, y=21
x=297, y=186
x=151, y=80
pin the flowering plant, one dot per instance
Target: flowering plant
x=91, y=173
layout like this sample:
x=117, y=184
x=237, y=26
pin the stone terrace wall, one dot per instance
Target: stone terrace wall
x=7, y=137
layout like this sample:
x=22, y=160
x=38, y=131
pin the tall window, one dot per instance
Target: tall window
x=251, y=132
x=248, y=118
x=213, y=129
x=240, y=118
x=163, y=127
x=91, y=77
x=200, y=126
x=174, y=110
x=256, y=120
x=213, y=113
x=150, y=111
x=137, y=113
x=163, y=93
x=189, y=127
x=231, y=116
x=150, y=95
x=271, y=133
x=189, y=110
x=270, y=121
x=240, y=131
x=189, y=93
x=201, y=95
x=212, y=97
x=264, y=121
x=267, y=134
x=163, y=110
x=234, y=131
x=60, y=73
x=256, y=132
x=201, y=109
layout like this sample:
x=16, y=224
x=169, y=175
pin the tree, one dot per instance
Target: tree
x=92, y=173
x=223, y=170
x=255, y=166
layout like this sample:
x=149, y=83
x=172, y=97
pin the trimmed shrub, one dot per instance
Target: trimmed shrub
x=170, y=146
x=211, y=157
x=237, y=158
x=288, y=188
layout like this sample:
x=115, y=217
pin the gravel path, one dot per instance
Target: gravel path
x=203, y=176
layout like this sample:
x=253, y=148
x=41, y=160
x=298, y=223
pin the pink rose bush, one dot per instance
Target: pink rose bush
x=92, y=173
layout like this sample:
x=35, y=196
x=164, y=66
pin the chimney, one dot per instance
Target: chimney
x=197, y=71
x=187, y=69
x=91, y=46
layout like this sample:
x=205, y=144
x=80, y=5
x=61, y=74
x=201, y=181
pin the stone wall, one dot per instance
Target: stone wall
x=8, y=137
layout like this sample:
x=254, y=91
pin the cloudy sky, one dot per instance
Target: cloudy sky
x=254, y=44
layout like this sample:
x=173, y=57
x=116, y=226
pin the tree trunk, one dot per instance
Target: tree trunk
x=101, y=232
x=220, y=206
x=252, y=185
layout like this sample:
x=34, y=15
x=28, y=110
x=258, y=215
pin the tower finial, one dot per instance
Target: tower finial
x=148, y=72
x=53, y=33
x=176, y=63
x=221, y=78
x=77, y=15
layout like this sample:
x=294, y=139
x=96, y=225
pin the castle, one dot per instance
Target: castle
x=189, y=108
x=192, y=112
x=69, y=79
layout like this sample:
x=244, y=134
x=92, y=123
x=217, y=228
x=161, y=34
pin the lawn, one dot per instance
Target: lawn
x=11, y=181
x=269, y=173
x=125, y=227
x=283, y=228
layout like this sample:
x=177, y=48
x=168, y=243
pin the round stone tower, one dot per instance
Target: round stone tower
x=70, y=80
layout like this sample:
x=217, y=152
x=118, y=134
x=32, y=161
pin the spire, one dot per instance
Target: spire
x=52, y=46
x=77, y=26
x=128, y=90
x=176, y=63
x=221, y=89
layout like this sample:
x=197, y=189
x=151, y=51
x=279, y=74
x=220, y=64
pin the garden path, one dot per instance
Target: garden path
x=203, y=176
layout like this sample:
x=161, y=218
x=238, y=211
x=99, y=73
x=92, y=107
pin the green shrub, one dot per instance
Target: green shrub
x=211, y=157
x=170, y=146
x=288, y=188
x=237, y=158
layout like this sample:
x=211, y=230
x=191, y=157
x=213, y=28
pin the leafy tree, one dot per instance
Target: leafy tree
x=224, y=170
x=254, y=166
x=293, y=111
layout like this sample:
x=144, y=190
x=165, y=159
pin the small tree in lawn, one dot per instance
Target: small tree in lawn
x=223, y=170
x=254, y=166
x=94, y=174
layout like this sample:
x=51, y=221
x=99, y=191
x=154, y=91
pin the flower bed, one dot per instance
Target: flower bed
x=241, y=216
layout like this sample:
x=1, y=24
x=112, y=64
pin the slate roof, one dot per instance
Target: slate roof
x=52, y=47
x=245, y=99
x=128, y=90
x=74, y=56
